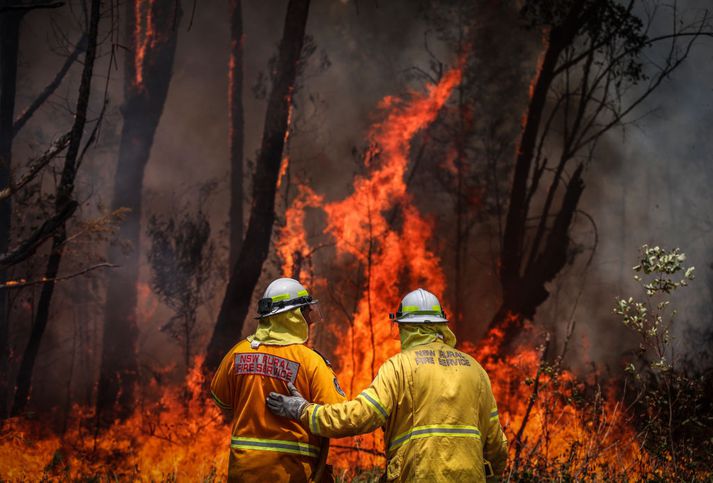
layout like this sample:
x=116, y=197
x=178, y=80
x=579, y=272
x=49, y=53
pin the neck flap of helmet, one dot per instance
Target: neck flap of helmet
x=413, y=335
x=285, y=328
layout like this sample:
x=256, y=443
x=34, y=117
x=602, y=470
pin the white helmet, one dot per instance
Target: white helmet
x=419, y=306
x=282, y=295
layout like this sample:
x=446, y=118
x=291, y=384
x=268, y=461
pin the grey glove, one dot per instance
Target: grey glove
x=287, y=406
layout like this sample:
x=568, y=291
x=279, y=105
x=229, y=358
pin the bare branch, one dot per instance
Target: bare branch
x=36, y=166
x=26, y=7
x=28, y=247
x=25, y=283
x=51, y=87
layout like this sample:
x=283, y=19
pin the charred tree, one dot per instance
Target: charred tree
x=9, y=44
x=246, y=271
x=152, y=36
x=236, y=128
x=523, y=293
x=592, y=57
x=470, y=142
x=62, y=200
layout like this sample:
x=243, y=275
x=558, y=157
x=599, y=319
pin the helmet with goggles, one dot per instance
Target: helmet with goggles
x=282, y=295
x=419, y=307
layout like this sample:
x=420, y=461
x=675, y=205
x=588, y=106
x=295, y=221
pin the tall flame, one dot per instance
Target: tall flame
x=365, y=233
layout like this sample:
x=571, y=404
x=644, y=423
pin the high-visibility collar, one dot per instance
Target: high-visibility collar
x=276, y=445
x=416, y=334
x=285, y=328
x=431, y=430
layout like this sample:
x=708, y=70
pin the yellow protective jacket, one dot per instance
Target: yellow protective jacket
x=265, y=447
x=438, y=413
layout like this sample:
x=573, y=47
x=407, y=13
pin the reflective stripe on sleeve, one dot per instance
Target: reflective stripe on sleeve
x=459, y=431
x=219, y=403
x=374, y=402
x=313, y=423
x=276, y=445
x=494, y=415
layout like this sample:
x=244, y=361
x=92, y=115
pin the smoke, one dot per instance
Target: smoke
x=647, y=185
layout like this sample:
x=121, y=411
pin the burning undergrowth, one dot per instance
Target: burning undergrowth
x=558, y=425
x=172, y=438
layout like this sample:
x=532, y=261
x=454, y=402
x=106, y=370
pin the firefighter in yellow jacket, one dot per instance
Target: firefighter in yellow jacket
x=435, y=404
x=263, y=446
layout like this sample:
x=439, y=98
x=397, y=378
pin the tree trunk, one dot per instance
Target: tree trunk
x=9, y=44
x=148, y=71
x=63, y=198
x=246, y=271
x=236, y=128
x=520, y=303
x=523, y=285
x=523, y=282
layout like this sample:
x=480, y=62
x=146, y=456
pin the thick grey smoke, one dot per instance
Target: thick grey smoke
x=647, y=185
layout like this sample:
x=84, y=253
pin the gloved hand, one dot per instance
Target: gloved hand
x=287, y=406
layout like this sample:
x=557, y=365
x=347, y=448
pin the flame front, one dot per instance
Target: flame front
x=181, y=437
x=368, y=241
x=378, y=234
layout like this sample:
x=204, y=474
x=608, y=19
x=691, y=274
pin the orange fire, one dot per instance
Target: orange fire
x=143, y=37
x=558, y=432
x=176, y=438
x=378, y=232
x=364, y=233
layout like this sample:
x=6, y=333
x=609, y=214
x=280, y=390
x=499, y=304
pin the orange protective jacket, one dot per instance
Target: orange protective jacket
x=265, y=447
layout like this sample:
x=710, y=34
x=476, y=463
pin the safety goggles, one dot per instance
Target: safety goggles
x=267, y=305
x=413, y=311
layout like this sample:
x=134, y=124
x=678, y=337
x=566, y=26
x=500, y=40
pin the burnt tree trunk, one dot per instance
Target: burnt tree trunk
x=523, y=284
x=246, y=271
x=63, y=198
x=236, y=133
x=9, y=44
x=152, y=36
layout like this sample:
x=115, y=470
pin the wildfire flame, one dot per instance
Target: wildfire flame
x=378, y=231
x=176, y=438
x=362, y=226
x=144, y=37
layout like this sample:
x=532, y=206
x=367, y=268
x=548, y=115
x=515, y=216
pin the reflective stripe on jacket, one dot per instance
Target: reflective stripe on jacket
x=438, y=412
x=265, y=447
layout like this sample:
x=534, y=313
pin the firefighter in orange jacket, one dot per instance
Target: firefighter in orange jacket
x=435, y=404
x=265, y=447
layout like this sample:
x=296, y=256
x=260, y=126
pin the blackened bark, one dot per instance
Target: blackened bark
x=236, y=133
x=514, y=234
x=62, y=200
x=520, y=304
x=9, y=44
x=523, y=285
x=246, y=271
x=148, y=71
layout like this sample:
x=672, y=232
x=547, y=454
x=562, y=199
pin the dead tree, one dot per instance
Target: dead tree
x=11, y=16
x=246, y=271
x=62, y=200
x=236, y=131
x=9, y=44
x=151, y=37
x=590, y=78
